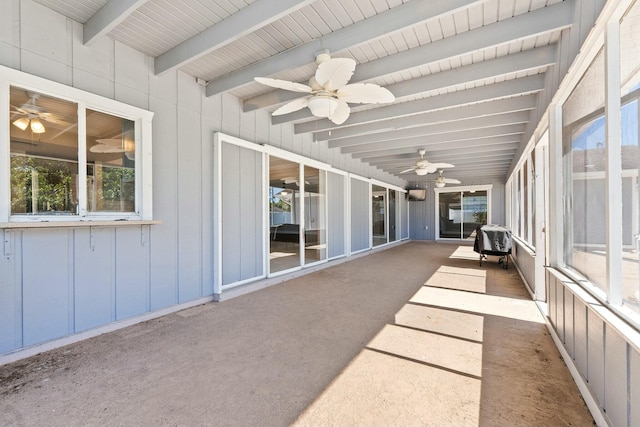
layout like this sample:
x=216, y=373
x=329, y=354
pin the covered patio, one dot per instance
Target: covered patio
x=417, y=334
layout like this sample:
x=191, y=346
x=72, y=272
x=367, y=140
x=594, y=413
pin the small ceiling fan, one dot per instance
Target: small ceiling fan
x=441, y=181
x=424, y=167
x=33, y=115
x=329, y=91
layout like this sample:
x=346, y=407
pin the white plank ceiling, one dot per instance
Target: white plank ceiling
x=468, y=75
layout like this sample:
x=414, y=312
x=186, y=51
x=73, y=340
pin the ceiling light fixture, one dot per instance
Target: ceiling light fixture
x=22, y=123
x=36, y=125
x=323, y=106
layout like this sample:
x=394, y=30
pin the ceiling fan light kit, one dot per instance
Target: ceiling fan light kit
x=323, y=106
x=24, y=122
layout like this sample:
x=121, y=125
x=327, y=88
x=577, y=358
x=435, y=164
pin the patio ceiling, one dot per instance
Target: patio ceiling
x=469, y=76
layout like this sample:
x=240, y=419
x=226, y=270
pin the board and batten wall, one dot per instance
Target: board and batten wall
x=60, y=281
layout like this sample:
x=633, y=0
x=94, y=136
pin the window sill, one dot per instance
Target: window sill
x=75, y=224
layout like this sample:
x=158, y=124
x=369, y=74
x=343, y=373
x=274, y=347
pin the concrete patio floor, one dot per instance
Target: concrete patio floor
x=418, y=334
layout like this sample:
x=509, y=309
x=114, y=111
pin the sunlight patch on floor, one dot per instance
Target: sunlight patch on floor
x=468, y=281
x=447, y=352
x=465, y=252
x=466, y=326
x=383, y=389
x=518, y=309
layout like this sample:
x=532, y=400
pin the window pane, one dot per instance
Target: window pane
x=284, y=214
x=525, y=197
x=315, y=239
x=630, y=79
x=474, y=205
x=110, y=163
x=532, y=178
x=378, y=204
x=44, y=154
x=584, y=147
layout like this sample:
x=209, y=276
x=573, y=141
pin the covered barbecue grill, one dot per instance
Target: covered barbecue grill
x=493, y=240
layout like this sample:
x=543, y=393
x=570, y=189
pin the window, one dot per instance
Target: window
x=72, y=155
x=630, y=113
x=611, y=273
x=584, y=146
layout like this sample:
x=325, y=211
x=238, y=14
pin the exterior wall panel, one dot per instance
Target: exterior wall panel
x=360, y=209
x=10, y=297
x=93, y=276
x=595, y=356
x=131, y=270
x=634, y=386
x=241, y=214
x=189, y=204
x=615, y=357
x=336, y=218
x=580, y=335
x=46, y=284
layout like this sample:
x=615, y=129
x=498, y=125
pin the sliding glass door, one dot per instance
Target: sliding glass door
x=315, y=233
x=461, y=212
x=297, y=215
x=379, y=213
x=284, y=215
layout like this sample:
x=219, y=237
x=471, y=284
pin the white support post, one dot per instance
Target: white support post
x=613, y=157
x=556, y=207
x=539, y=181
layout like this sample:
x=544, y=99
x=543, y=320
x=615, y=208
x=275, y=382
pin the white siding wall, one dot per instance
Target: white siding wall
x=607, y=362
x=64, y=280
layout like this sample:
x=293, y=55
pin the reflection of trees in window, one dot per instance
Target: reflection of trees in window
x=41, y=186
x=114, y=189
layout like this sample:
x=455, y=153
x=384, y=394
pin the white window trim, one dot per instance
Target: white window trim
x=142, y=119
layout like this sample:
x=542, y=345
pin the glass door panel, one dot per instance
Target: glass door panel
x=378, y=206
x=392, y=216
x=474, y=212
x=460, y=213
x=450, y=210
x=284, y=215
x=315, y=236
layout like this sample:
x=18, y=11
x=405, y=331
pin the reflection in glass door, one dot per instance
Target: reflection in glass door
x=378, y=205
x=460, y=213
x=284, y=214
x=392, y=216
x=315, y=239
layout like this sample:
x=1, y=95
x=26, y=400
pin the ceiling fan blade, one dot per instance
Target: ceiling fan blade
x=290, y=107
x=442, y=165
x=452, y=181
x=341, y=114
x=408, y=170
x=335, y=73
x=431, y=168
x=365, y=93
x=284, y=84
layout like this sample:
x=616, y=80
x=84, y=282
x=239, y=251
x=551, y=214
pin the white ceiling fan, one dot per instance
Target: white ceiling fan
x=32, y=115
x=441, y=181
x=329, y=91
x=424, y=167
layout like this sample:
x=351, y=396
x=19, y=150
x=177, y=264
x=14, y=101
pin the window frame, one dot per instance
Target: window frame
x=143, y=152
